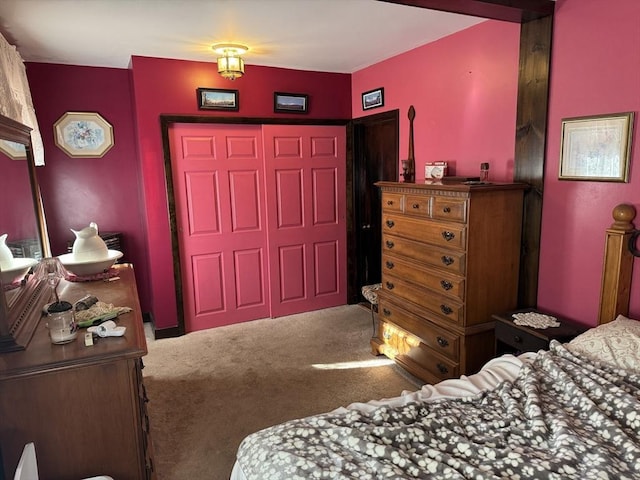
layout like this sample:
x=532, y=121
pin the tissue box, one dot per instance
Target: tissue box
x=435, y=170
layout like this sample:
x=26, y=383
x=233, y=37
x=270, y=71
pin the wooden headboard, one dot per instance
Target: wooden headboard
x=618, y=265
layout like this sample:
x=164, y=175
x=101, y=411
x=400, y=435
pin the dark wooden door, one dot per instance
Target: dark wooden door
x=375, y=157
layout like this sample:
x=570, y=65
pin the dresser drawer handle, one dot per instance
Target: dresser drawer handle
x=446, y=309
x=446, y=209
x=390, y=265
x=390, y=244
x=448, y=236
x=443, y=342
x=389, y=202
x=517, y=339
x=390, y=286
x=415, y=206
x=442, y=368
x=445, y=259
x=446, y=284
x=390, y=223
x=386, y=312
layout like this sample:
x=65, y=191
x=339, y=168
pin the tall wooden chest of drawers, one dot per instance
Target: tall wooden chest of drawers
x=450, y=259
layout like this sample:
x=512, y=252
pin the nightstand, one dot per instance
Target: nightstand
x=512, y=338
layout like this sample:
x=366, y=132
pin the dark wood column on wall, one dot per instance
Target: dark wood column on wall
x=531, y=136
x=536, y=19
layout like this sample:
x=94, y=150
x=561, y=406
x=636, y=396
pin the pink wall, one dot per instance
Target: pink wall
x=163, y=86
x=463, y=88
x=77, y=191
x=595, y=70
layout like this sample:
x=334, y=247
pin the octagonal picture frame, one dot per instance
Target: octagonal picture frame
x=83, y=134
x=13, y=150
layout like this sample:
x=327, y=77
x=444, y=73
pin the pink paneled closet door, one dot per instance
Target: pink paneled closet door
x=306, y=207
x=218, y=182
x=241, y=260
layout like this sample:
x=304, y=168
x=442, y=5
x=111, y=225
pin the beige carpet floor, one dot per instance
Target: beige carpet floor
x=207, y=390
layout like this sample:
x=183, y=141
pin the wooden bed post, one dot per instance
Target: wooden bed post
x=618, y=264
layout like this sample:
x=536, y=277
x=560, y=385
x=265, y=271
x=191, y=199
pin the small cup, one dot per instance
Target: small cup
x=62, y=325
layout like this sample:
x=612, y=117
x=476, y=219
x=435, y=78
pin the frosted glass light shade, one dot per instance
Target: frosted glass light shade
x=230, y=63
x=231, y=67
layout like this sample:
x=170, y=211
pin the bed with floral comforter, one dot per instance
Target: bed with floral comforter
x=564, y=416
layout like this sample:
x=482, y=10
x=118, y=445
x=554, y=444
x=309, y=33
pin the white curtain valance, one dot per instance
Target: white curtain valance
x=16, y=97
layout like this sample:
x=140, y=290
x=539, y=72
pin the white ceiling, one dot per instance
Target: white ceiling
x=323, y=35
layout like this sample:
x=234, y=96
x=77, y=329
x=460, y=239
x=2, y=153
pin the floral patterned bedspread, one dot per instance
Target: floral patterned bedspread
x=563, y=417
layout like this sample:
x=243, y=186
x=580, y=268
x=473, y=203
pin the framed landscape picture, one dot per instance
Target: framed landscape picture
x=218, y=99
x=290, y=102
x=373, y=99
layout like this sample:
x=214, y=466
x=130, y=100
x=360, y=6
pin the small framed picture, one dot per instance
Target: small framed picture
x=290, y=102
x=596, y=148
x=218, y=99
x=373, y=99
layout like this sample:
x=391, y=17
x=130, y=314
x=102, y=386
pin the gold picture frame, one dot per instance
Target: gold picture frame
x=13, y=150
x=596, y=148
x=83, y=134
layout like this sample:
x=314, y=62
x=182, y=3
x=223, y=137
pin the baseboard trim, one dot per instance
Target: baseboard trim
x=167, y=332
x=171, y=332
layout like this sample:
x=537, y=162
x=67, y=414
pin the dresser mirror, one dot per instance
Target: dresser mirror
x=22, y=221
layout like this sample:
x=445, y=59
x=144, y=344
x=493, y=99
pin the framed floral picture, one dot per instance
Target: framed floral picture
x=14, y=150
x=596, y=148
x=83, y=134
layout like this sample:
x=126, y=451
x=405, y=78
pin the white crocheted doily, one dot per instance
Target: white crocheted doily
x=535, y=320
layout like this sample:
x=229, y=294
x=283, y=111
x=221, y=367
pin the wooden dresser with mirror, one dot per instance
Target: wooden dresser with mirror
x=22, y=219
x=84, y=407
x=450, y=259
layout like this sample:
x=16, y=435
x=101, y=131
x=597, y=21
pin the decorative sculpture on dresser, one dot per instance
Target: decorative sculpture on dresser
x=409, y=165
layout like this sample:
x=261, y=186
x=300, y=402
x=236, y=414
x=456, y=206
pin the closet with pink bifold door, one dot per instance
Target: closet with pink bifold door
x=260, y=219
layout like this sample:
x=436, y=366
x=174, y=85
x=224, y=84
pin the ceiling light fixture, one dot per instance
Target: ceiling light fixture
x=230, y=63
